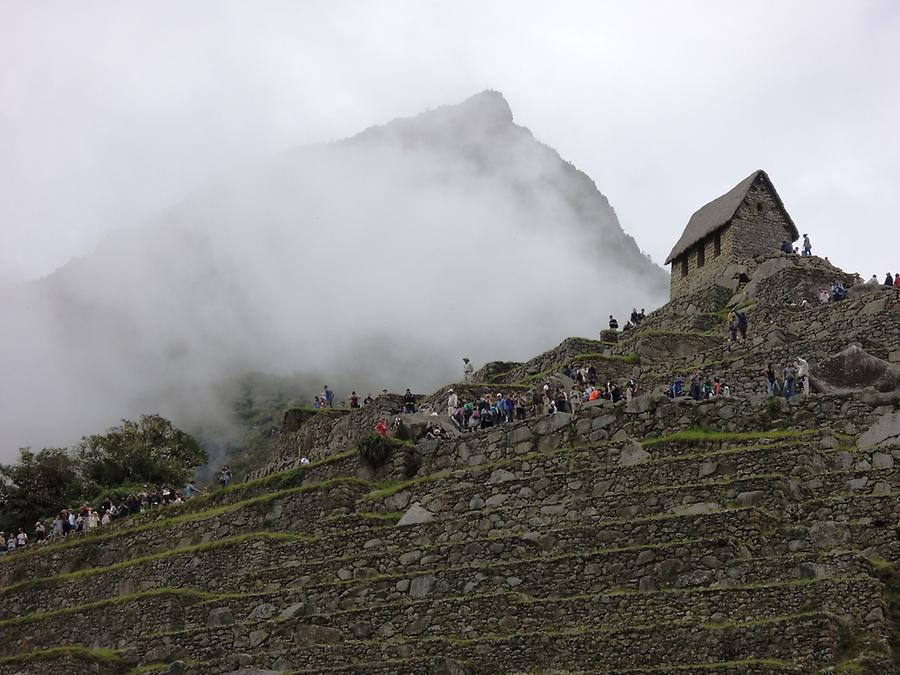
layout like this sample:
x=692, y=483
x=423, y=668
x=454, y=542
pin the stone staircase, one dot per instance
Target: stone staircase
x=545, y=551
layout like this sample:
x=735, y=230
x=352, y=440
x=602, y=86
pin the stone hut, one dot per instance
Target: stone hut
x=748, y=220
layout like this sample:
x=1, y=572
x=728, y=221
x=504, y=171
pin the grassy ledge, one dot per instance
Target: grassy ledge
x=81, y=653
x=709, y=436
x=278, y=537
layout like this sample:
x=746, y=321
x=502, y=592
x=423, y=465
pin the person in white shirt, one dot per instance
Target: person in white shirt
x=803, y=374
x=467, y=370
x=452, y=402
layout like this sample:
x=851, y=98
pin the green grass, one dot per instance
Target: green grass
x=598, y=356
x=536, y=377
x=108, y=602
x=388, y=489
x=675, y=333
x=709, y=436
x=82, y=653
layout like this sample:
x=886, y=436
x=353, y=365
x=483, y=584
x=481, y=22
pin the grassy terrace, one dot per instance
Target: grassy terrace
x=205, y=506
x=535, y=637
x=385, y=490
x=80, y=653
x=162, y=592
x=789, y=438
x=278, y=537
x=204, y=598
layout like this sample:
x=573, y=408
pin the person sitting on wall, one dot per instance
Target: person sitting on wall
x=786, y=247
x=613, y=324
x=889, y=280
x=677, y=388
x=824, y=296
x=897, y=281
x=635, y=319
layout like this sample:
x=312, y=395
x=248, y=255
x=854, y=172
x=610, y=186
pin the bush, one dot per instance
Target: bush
x=375, y=450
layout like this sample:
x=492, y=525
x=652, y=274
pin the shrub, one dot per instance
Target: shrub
x=376, y=450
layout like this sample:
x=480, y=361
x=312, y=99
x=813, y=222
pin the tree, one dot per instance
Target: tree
x=151, y=450
x=37, y=486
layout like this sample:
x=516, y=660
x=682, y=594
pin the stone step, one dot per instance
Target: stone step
x=463, y=618
x=500, y=613
x=556, y=470
x=809, y=639
x=533, y=504
x=309, y=509
x=354, y=549
x=404, y=554
x=695, y=564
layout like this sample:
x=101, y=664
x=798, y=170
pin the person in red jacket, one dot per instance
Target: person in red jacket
x=897, y=281
x=381, y=428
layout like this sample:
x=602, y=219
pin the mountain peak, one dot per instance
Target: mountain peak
x=485, y=112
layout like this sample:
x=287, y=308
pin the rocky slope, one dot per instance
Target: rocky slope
x=735, y=535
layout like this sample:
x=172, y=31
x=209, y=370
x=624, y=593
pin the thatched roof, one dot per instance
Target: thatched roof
x=707, y=219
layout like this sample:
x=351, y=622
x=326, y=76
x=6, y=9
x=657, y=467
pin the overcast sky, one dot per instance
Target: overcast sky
x=109, y=111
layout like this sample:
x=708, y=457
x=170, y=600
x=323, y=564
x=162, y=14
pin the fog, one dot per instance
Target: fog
x=152, y=144
x=373, y=263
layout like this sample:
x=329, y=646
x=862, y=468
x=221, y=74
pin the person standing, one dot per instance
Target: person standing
x=467, y=371
x=452, y=402
x=409, y=402
x=790, y=375
x=354, y=399
x=770, y=379
x=225, y=476
x=328, y=396
x=807, y=246
x=803, y=374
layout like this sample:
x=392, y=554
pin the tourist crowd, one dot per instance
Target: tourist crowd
x=109, y=509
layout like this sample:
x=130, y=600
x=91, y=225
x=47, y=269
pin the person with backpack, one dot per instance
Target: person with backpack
x=328, y=396
x=790, y=375
x=409, y=402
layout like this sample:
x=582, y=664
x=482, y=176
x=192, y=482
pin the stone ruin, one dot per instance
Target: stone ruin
x=734, y=535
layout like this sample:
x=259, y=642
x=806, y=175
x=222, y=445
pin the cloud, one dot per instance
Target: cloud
x=374, y=262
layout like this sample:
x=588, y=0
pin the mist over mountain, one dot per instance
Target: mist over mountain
x=375, y=261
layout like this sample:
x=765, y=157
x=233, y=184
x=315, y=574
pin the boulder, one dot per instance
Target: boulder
x=633, y=454
x=421, y=586
x=416, y=515
x=313, y=634
x=220, y=616
x=854, y=369
x=886, y=431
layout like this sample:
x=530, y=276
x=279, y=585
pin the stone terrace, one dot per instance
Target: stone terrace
x=743, y=535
